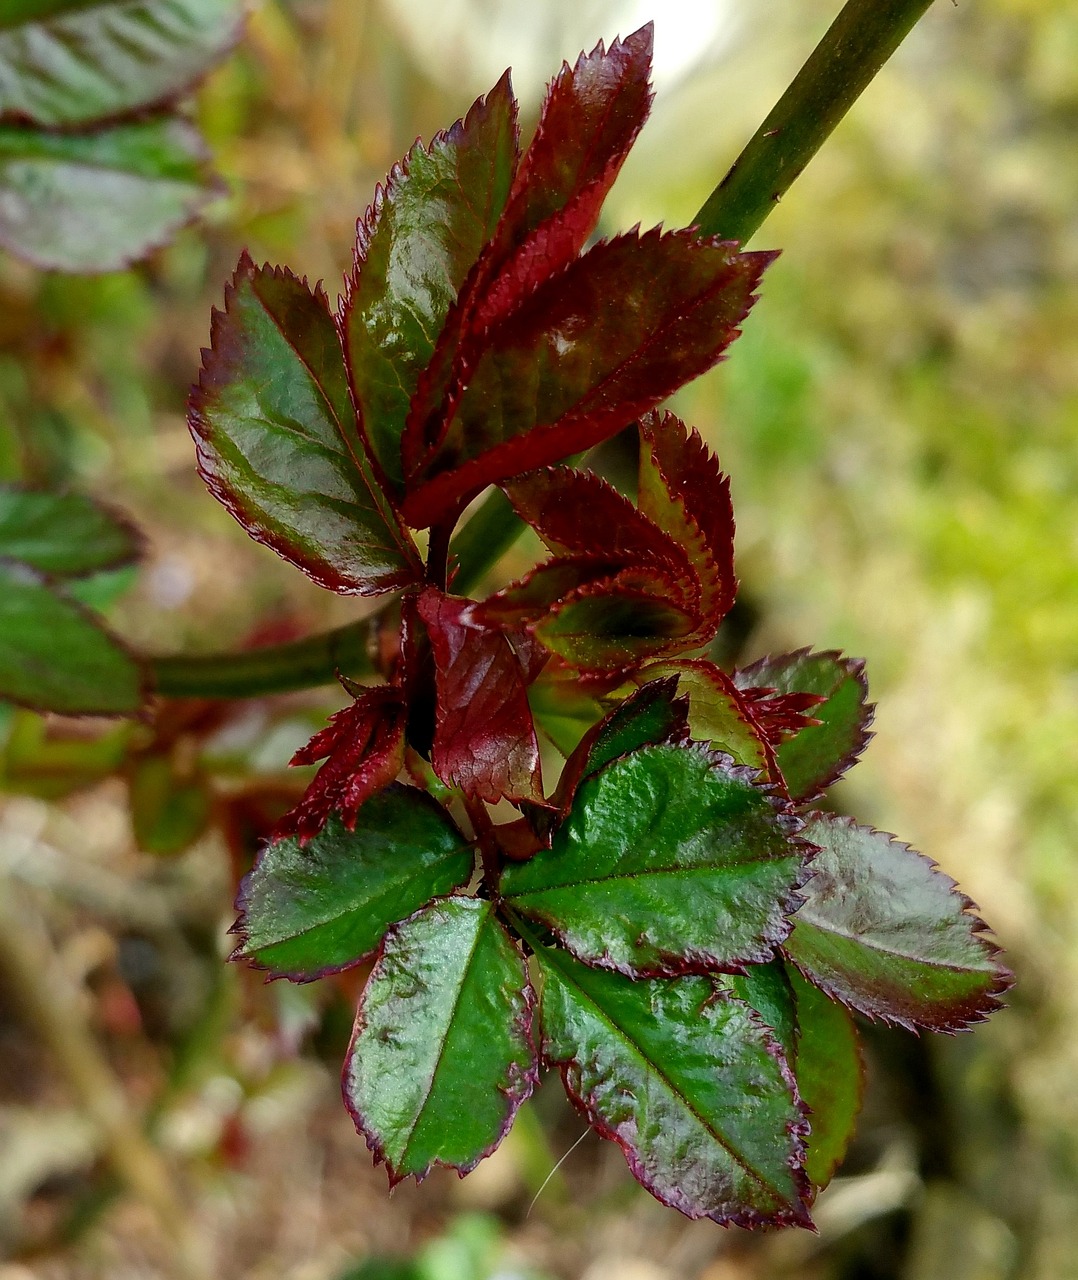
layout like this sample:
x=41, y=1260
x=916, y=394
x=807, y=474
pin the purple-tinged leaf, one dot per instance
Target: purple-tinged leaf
x=616, y=332
x=590, y=118
x=688, y=1082
x=442, y=1054
x=884, y=931
x=819, y=754
x=66, y=535
x=415, y=247
x=484, y=738
x=364, y=744
x=57, y=656
x=578, y=513
x=308, y=910
x=69, y=62
x=683, y=490
x=277, y=441
x=101, y=199
x=671, y=861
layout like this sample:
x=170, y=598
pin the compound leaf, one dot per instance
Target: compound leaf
x=63, y=534
x=688, y=1082
x=69, y=62
x=671, y=861
x=887, y=933
x=308, y=910
x=277, y=442
x=608, y=338
x=820, y=754
x=414, y=249
x=56, y=656
x=442, y=1054
x=97, y=201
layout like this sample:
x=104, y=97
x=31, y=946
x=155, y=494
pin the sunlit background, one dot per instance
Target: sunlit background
x=900, y=421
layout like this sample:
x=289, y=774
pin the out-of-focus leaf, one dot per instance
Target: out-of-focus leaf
x=65, y=62
x=484, y=738
x=277, y=441
x=692, y=1087
x=97, y=201
x=414, y=249
x=820, y=754
x=168, y=812
x=682, y=489
x=830, y=1076
x=886, y=932
x=442, y=1055
x=43, y=758
x=608, y=338
x=670, y=861
x=307, y=910
x=364, y=744
x=561, y=709
x=63, y=534
x=55, y=656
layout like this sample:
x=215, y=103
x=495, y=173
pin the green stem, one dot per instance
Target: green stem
x=860, y=40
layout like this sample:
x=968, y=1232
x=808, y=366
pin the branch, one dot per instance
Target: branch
x=860, y=40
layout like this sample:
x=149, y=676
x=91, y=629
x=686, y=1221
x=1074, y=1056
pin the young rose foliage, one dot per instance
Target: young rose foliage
x=699, y=936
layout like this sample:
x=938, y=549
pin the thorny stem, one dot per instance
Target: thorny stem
x=858, y=43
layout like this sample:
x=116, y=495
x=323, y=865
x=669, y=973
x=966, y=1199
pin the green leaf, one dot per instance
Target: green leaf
x=414, y=249
x=884, y=931
x=63, y=534
x=168, y=812
x=670, y=861
x=55, y=656
x=442, y=1055
x=277, y=438
x=98, y=201
x=307, y=910
x=820, y=1043
x=820, y=754
x=688, y=1082
x=830, y=1076
x=66, y=62
x=715, y=715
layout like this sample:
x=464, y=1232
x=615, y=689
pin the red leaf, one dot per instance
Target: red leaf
x=484, y=738
x=364, y=744
x=601, y=343
x=779, y=716
x=684, y=492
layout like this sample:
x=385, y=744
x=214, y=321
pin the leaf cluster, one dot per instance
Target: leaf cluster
x=97, y=166
x=670, y=923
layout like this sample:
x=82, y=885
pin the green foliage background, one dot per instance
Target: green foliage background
x=900, y=421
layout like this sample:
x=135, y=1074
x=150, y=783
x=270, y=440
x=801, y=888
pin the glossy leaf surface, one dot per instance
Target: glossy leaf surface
x=65, y=62
x=307, y=910
x=611, y=336
x=414, y=249
x=63, y=534
x=98, y=201
x=484, y=738
x=820, y=754
x=442, y=1054
x=688, y=1082
x=670, y=861
x=55, y=656
x=887, y=933
x=277, y=441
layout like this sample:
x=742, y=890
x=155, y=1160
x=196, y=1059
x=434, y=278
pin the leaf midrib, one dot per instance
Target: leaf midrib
x=872, y=945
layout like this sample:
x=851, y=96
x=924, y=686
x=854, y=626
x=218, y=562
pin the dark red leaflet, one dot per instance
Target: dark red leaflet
x=590, y=118
x=484, y=738
x=364, y=744
x=532, y=596
x=603, y=342
x=577, y=512
x=780, y=715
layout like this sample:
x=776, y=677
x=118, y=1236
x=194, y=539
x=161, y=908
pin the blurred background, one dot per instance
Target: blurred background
x=900, y=421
